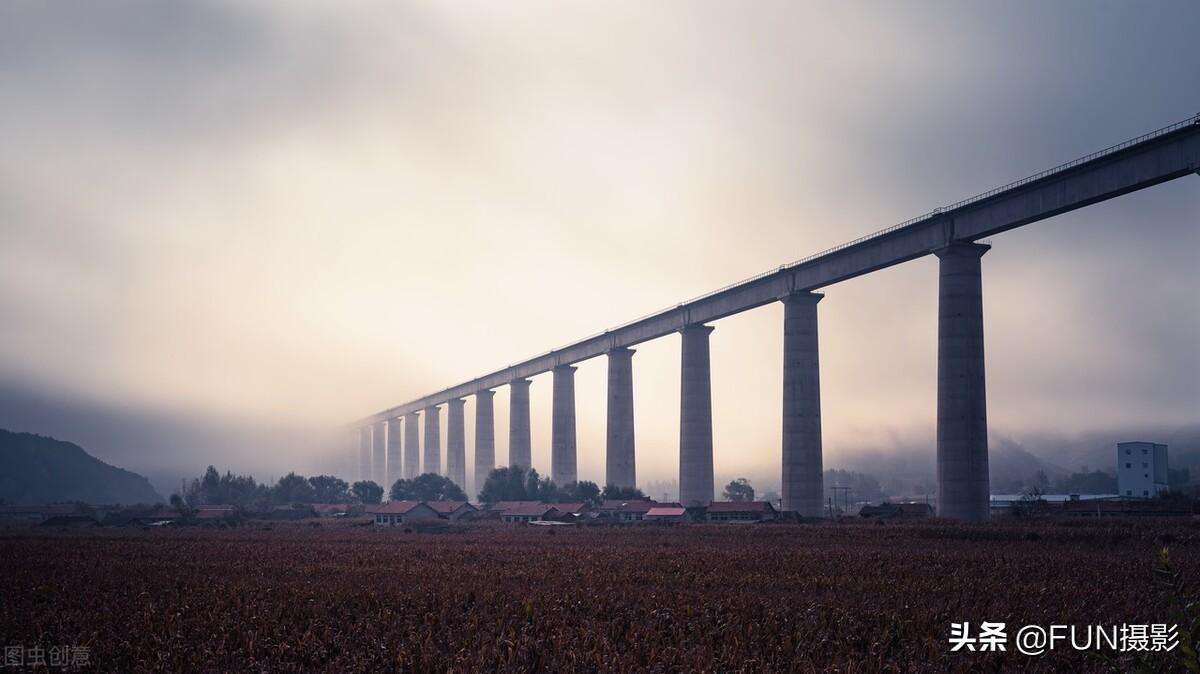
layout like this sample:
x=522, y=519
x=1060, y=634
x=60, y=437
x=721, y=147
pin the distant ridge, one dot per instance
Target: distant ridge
x=36, y=469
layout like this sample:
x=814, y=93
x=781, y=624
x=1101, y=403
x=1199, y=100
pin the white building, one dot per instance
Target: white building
x=1141, y=469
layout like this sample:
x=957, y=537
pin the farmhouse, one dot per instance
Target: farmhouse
x=529, y=512
x=666, y=514
x=331, y=509
x=394, y=513
x=571, y=511
x=142, y=516
x=452, y=510
x=501, y=506
x=215, y=512
x=887, y=510
x=627, y=511
x=741, y=511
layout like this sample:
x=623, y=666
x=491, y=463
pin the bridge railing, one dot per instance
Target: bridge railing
x=1076, y=162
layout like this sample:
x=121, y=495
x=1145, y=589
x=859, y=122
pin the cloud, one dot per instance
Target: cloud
x=301, y=213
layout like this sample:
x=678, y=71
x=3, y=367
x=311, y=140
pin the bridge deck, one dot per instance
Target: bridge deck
x=1159, y=156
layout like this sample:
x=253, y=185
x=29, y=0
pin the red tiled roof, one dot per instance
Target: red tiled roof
x=448, y=507
x=568, y=507
x=666, y=511
x=740, y=507
x=636, y=506
x=531, y=508
x=393, y=508
x=207, y=512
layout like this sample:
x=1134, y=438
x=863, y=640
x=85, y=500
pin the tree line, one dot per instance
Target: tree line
x=243, y=490
x=503, y=484
x=514, y=483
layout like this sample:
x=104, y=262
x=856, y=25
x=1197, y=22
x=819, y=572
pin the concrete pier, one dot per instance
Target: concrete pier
x=695, y=419
x=393, y=468
x=962, y=444
x=520, y=452
x=456, y=443
x=378, y=460
x=433, y=441
x=620, y=467
x=364, y=453
x=562, y=427
x=412, y=445
x=485, y=438
x=802, y=465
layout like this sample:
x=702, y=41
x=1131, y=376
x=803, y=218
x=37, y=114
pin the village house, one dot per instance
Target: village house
x=741, y=511
x=395, y=513
x=331, y=509
x=571, y=511
x=667, y=514
x=501, y=506
x=887, y=510
x=452, y=510
x=216, y=512
x=158, y=515
x=626, y=511
x=529, y=512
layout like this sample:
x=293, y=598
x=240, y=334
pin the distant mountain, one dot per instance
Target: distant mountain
x=36, y=469
x=1097, y=450
x=1013, y=467
x=910, y=469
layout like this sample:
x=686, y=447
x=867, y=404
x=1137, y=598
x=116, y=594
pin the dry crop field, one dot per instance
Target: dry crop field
x=852, y=597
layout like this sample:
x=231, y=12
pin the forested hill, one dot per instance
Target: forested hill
x=36, y=469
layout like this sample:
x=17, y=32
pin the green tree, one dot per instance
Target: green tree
x=293, y=488
x=427, y=487
x=180, y=505
x=329, y=489
x=214, y=488
x=539, y=488
x=586, y=492
x=504, y=484
x=367, y=491
x=210, y=486
x=614, y=493
x=1085, y=482
x=739, y=490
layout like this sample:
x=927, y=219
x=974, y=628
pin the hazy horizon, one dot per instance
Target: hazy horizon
x=229, y=229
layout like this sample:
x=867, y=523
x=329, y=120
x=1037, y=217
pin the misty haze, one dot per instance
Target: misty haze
x=497, y=301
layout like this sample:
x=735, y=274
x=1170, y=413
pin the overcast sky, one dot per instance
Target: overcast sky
x=286, y=215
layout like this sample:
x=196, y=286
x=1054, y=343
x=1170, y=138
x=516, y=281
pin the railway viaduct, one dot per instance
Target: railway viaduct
x=950, y=233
